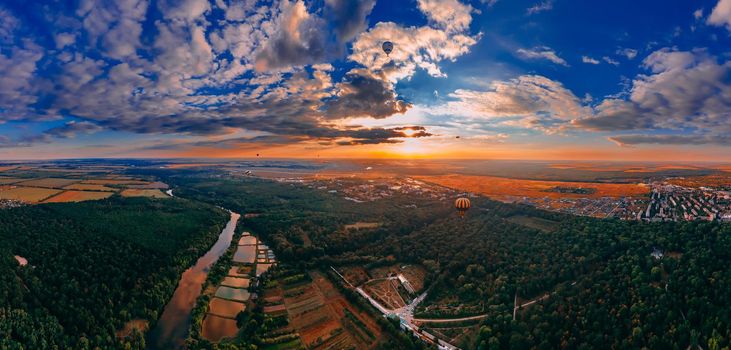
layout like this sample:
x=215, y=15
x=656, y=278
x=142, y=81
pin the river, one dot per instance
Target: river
x=172, y=327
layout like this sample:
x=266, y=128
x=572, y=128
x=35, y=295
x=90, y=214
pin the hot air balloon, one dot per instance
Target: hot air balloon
x=387, y=47
x=462, y=204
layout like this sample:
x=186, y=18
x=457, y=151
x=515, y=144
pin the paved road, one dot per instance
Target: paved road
x=445, y=320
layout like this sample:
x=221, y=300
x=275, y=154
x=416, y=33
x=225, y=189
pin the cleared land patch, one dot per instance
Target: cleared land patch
x=232, y=293
x=26, y=194
x=49, y=182
x=9, y=180
x=225, y=308
x=216, y=328
x=236, y=282
x=143, y=193
x=507, y=189
x=77, y=196
x=114, y=182
x=245, y=254
x=89, y=187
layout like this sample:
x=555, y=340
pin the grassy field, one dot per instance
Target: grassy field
x=26, y=194
x=501, y=188
x=9, y=180
x=235, y=282
x=89, y=187
x=232, y=293
x=143, y=193
x=216, y=328
x=48, y=182
x=77, y=196
x=225, y=308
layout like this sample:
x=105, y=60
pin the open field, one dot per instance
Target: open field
x=9, y=180
x=534, y=222
x=77, y=196
x=362, y=225
x=240, y=271
x=114, y=182
x=261, y=268
x=225, y=308
x=722, y=180
x=143, y=193
x=26, y=194
x=152, y=185
x=236, y=282
x=245, y=254
x=325, y=320
x=247, y=240
x=216, y=328
x=89, y=187
x=232, y=293
x=49, y=182
x=505, y=189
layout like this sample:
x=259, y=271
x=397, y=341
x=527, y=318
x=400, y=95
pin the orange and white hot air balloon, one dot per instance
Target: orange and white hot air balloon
x=462, y=204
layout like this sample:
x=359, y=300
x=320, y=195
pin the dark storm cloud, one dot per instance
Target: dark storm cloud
x=363, y=95
x=349, y=17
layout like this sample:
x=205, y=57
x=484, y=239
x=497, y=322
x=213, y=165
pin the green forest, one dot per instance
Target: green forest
x=93, y=266
x=586, y=283
x=604, y=287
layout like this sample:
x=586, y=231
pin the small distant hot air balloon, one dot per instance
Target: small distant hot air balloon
x=387, y=47
x=462, y=204
x=257, y=154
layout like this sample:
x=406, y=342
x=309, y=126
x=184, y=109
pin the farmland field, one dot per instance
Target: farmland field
x=245, y=254
x=89, y=187
x=239, y=271
x=236, y=282
x=26, y=194
x=232, y=293
x=114, y=182
x=261, y=268
x=247, y=240
x=49, y=182
x=143, y=193
x=225, y=308
x=77, y=196
x=9, y=180
x=505, y=189
x=216, y=328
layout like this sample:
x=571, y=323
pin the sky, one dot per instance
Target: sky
x=488, y=79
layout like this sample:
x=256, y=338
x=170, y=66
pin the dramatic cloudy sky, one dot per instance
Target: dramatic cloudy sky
x=542, y=79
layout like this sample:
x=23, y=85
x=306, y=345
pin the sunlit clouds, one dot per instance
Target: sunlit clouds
x=298, y=77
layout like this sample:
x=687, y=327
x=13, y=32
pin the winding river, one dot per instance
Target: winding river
x=172, y=327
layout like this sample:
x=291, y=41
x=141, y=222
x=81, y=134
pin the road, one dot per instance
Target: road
x=446, y=320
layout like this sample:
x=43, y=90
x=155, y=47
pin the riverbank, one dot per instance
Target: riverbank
x=172, y=327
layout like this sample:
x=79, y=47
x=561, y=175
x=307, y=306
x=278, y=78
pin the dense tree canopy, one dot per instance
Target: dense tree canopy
x=93, y=266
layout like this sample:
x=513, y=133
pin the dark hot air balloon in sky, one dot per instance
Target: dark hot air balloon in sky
x=387, y=47
x=462, y=204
